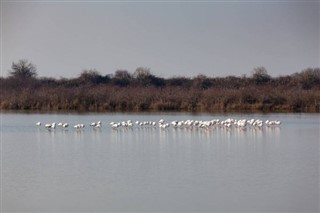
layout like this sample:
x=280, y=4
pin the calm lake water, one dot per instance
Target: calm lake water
x=146, y=169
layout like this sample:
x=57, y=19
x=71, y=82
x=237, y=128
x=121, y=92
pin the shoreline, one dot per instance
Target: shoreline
x=36, y=111
x=125, y=92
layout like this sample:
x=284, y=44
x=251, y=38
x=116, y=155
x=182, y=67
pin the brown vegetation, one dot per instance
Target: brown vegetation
x=142, y=91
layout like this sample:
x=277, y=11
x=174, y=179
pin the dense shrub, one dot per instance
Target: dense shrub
x=143, y=91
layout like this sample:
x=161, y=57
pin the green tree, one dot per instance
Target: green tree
x=23, y=69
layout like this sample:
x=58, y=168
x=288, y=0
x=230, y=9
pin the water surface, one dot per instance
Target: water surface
x=269, y=169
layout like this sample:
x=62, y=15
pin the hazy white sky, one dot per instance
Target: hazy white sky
x=179, y=38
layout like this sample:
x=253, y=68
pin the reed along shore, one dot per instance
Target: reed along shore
x=143, y=91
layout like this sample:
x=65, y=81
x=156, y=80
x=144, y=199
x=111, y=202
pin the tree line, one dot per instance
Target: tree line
x=144, y=91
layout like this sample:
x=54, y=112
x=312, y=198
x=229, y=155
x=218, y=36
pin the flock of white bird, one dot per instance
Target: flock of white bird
x=162, y=124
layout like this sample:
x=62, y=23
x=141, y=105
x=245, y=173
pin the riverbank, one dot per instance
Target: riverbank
x=106, y=98
x=92, y=92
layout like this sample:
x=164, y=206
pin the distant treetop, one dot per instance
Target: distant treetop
x=23, y=69
x=260, y=75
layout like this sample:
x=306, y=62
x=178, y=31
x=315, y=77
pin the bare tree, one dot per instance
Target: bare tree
x=143, y=76
x=23, y=69
x=90, y=76
x=260, y=75
x=122, y=78
x=142, y=73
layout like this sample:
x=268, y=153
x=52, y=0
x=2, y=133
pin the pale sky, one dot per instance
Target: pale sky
x=179, y=38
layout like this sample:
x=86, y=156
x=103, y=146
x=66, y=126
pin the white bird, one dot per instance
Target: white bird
x=114, y=125
x=242, y=123
x=50, y=126
x=79, y=126
x=274, y=122
x=164, y=125
x=277, y=122
x=96, y=124
x=174, y=123
x=38, y=123
x=228, y=125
